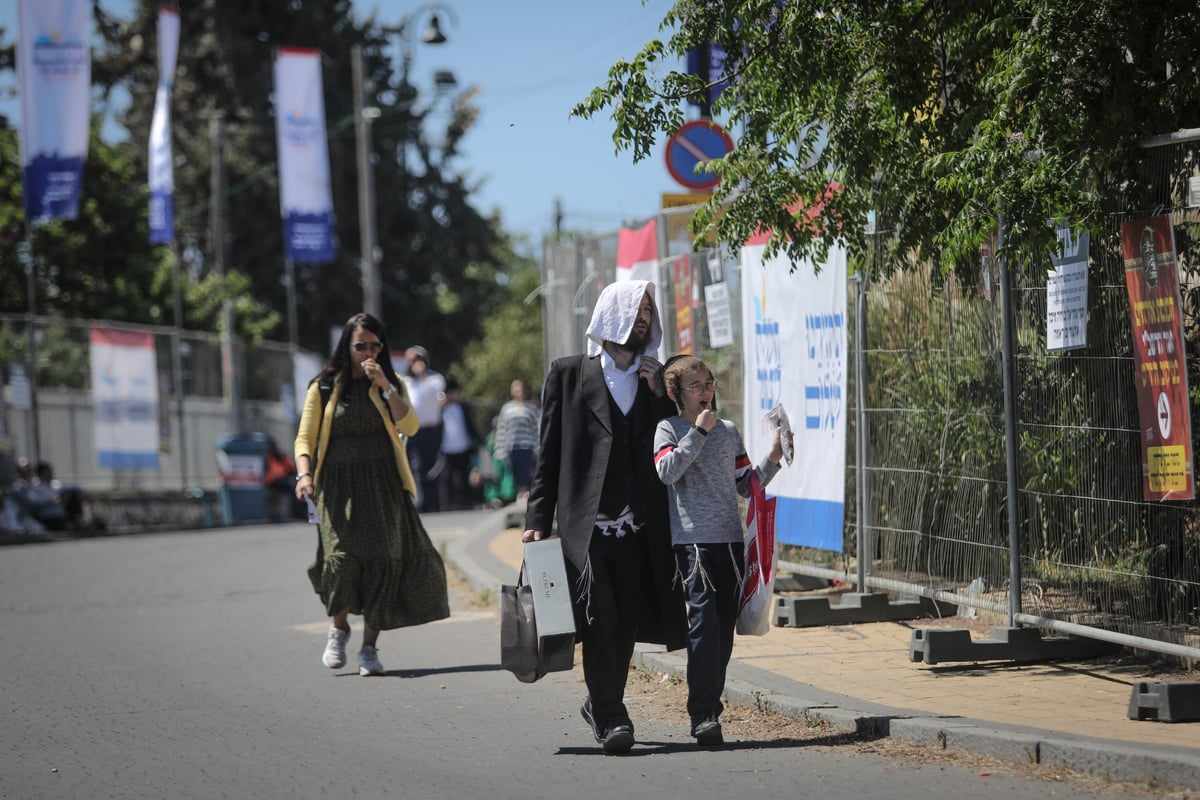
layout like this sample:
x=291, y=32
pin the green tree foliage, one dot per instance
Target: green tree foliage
x=96, y=266
x=937, y=115
x=510, y=347
x=438, y=268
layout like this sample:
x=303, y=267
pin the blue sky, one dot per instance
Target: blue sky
x=532, y=60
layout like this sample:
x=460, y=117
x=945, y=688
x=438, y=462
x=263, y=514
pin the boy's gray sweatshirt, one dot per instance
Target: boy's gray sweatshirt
x=704, y=474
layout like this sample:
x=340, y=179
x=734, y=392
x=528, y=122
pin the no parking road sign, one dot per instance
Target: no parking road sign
x=695, y=143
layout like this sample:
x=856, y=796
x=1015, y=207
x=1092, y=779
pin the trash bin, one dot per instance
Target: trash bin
x=241, y=464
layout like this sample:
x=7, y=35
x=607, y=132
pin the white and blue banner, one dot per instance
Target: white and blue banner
x=54, y=67
x=125, y=395
x=794, y=354
x=305, y=201
x=161, y=172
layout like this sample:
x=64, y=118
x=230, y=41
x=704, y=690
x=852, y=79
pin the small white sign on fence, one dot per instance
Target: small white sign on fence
x=720, y=320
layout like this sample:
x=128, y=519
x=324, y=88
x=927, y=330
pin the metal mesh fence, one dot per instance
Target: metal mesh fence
x=1092, y=551
x=194, y=409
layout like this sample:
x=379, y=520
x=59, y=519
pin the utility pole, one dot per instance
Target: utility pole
x=372, y=288
x=230, y=362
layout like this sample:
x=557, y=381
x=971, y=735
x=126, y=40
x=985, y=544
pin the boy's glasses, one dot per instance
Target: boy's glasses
x=362, y=347
x=700, y=388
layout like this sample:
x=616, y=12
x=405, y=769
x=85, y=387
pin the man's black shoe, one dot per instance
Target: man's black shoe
x=618, y=740
x=708, y=732
x=586, y=711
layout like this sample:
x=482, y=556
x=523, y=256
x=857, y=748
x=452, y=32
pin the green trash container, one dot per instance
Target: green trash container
x=242, y=465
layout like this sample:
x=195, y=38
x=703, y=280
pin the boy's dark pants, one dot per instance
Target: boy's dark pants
x=712, y=587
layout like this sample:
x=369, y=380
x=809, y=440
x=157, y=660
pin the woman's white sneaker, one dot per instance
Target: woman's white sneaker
x=368, y=661
x=335, y=648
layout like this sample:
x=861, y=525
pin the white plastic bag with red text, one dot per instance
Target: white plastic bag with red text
x=758, y=581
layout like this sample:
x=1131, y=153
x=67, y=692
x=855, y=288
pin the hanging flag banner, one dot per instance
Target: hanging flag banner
x=684, y=333
x=794, y=354
x=1066, y=292
x=125, y=395
x=161, y=171
x=305, y=201
x=637, y=260
x=637, y=253
x=1156, y=314
x=54, y=67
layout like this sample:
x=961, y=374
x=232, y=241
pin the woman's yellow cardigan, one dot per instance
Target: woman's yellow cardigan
x=312, y=428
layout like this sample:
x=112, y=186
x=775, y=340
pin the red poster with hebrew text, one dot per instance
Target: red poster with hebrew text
x=1155, y=311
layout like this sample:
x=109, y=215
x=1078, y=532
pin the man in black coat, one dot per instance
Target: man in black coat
x=595, y=468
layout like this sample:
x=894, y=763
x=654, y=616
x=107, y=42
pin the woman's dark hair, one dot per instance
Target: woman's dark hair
x=341, y=365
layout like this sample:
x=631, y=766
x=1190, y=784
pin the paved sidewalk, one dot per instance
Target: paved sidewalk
x=860, y=677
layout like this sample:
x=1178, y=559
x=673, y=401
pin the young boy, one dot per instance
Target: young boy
x=703, y=462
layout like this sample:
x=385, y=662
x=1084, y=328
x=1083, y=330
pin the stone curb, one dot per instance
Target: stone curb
x=1114, y=761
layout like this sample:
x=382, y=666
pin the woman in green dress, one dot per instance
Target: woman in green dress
x=374, y=557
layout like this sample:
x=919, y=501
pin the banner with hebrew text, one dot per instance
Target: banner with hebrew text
x=794, y=353
x=1161, y=380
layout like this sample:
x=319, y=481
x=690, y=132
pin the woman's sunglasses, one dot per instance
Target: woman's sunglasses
x=362, y=347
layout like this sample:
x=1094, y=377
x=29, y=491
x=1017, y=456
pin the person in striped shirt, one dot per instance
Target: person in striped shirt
x=704, y=465
x=517, y=435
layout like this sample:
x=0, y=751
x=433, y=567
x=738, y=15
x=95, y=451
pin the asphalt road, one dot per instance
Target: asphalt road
x=187, y=665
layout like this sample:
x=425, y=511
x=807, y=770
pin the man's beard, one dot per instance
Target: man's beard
x=637, y=341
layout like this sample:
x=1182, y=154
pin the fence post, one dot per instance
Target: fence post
x=860, y=394
x=1008, y=352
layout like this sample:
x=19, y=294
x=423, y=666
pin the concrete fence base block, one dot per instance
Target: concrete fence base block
x=934, y=646
x=1165, y=701
x=812, y=612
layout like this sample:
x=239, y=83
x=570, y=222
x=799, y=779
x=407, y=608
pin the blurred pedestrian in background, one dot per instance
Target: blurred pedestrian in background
x=493, y=475
x=517, y=435
x=460, y=445
x=280, y=480
x=426, y=390
x=374, y=556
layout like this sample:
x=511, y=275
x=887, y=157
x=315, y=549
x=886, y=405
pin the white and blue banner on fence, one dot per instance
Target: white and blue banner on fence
x=161, y=172
x=54, y=66
x=794, y=354
x=305, y=201
x=125, y=395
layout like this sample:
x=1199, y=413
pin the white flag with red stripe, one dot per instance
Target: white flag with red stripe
x=637, y=260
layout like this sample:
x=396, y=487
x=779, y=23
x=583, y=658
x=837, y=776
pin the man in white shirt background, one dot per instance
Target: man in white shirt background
x=460, y=441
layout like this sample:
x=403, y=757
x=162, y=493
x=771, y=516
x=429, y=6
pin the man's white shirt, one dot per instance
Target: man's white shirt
x=622, y=383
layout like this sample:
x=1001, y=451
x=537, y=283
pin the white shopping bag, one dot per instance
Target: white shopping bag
x=547, y=573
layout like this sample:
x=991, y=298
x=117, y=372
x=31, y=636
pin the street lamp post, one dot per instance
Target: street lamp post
x=363, y=117
x=372, y=290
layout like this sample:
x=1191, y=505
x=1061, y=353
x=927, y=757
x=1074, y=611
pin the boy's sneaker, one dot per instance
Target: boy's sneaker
x=335, y=648
x=708, y=732
x=368, y=661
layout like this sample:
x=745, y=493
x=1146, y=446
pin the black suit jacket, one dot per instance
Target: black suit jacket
x=576, y=439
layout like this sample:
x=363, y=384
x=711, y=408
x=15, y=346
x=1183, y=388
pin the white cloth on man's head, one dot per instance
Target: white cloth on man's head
x=615, y=313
